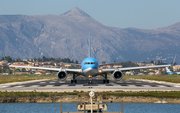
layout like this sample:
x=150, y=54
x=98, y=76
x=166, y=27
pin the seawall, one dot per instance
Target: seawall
x=79, y=98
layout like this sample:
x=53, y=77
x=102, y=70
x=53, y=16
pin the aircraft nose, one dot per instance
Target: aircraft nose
x=93, y=66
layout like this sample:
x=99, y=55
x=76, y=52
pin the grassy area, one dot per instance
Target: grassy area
x=166, y=78
x=160, y=94
x=23, y=77
x=34, y=94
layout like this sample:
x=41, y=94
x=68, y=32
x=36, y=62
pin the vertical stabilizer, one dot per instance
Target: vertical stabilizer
x=89, y=46
x=167, y=70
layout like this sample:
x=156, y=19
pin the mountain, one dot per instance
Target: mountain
x=66, y=35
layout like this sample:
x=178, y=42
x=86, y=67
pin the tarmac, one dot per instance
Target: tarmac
x=55, y=85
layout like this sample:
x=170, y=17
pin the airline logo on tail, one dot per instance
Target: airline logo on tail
x=167, y=70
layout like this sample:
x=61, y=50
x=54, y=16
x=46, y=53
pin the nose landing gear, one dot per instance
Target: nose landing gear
x=73, y=81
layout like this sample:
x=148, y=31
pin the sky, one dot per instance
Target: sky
x=143, y=14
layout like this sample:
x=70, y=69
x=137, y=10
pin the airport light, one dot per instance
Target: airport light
x=91, y=94
x=100, y=71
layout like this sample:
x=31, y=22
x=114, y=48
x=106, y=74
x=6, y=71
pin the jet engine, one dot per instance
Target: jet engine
x=62, y=75
x=117, y=75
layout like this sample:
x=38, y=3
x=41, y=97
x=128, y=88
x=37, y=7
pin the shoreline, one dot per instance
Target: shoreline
x=80, y=99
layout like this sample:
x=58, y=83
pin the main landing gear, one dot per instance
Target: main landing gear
x=105, y=80
x=74, y=79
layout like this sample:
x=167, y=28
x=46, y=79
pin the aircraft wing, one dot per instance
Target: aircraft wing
x=133, y=68
x=72, y=64
x=106, y=64
x=49, y=69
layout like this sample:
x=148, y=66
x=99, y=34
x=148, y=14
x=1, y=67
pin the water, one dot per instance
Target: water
x=72, y=107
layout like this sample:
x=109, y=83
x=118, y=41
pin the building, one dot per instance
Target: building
x=176, y=68
x=151, y=73
x=67, y=65
x=117, y=66
x=129, y=73
x=3, y=63
x=145, y=64
x=18, y=63
x=38, y=73
x=36, y=64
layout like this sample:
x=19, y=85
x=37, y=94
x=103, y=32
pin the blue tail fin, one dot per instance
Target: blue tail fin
x=89, y=46
x=167, y=70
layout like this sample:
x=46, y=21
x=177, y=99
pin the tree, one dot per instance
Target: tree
x=18, y=60
x=7, y=58
x=161, y=63
x=152, y=61
x=76, y=62
x=44, y=58
x=173, y=63
x=23, y=70
x=39, y=59
x=8, y=71
x=34, y=59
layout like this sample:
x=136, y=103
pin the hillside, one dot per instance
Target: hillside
x=67, y=35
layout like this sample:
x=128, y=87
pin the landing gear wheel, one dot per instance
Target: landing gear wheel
x=105, y=81
x=73, y=81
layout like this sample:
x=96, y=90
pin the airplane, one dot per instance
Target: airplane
x=90, y=68
x=170, y=72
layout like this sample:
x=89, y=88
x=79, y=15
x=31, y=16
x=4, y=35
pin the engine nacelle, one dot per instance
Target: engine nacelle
x=62, y=75
x=117, y=75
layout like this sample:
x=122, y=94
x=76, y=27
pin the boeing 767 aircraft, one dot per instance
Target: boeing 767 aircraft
x=90, y=68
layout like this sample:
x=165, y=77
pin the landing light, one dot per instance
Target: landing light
x=100, y=71
x=89, y=76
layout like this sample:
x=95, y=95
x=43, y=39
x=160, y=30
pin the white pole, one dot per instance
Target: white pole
x=91, y=105
x=91, y=94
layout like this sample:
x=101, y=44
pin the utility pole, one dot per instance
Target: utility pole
x=91, y=94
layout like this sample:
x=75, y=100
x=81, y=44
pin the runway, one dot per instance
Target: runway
x=97, y=85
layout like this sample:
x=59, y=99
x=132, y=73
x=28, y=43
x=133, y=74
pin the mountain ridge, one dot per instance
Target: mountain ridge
x=66, y=35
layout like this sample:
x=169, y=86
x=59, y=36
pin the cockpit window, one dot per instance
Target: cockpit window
x=90, y=63
x=93, y=63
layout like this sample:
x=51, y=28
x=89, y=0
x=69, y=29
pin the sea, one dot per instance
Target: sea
x=72, y=107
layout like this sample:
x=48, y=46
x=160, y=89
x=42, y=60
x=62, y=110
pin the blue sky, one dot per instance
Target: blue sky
x=145, y=14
